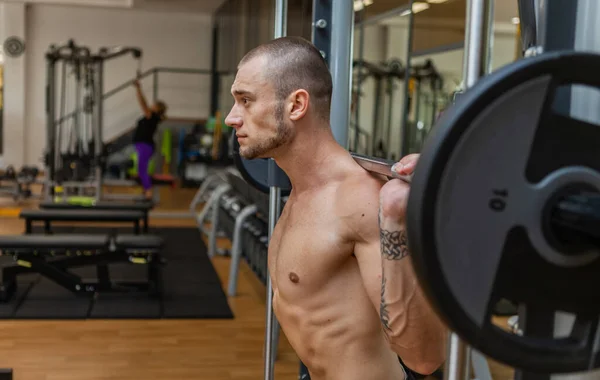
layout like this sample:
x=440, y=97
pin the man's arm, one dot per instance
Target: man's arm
x=142, y=99
x=414, y=331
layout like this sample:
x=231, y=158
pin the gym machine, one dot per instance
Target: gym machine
x=83, y=165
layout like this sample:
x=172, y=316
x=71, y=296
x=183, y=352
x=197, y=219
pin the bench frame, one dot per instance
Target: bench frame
x=48, y=224
x=57, y=270
x=67, y=206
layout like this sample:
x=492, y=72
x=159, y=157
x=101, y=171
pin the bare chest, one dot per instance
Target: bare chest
x=307, y=247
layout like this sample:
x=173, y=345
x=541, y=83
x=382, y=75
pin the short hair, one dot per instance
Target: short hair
x=162, y=107
x=294, y=63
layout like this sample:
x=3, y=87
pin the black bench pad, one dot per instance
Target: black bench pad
x=82, y=215
x=138, y=242
x=123, y=206
x=48, y=242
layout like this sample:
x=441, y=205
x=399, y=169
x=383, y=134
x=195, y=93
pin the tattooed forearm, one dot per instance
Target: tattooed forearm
x=383, y=312
x=394, y=244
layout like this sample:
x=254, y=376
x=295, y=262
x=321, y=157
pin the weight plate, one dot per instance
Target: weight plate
x=485, y=180
x=14, y=46
x=256, y=172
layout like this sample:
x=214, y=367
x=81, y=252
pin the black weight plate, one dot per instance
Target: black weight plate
x=475, y=213
x=256, y=172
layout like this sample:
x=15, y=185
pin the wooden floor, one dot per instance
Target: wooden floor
x=156, y=349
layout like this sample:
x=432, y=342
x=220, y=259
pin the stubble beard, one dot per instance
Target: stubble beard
x=263, y=149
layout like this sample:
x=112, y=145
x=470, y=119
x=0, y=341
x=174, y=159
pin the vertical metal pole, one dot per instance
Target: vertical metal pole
x=281, y=9
x=540, y=21
x=214, y=77
x=50, y=127
x=477, y=40
x=404, y=127
x=390, y=93
x=274, y=210
x=321, y=30
x=342, y=22
x=272, y=324
x=155, y=85
x=457, y=362
x=476, y=64
x=361, y=54
x=76, y=116
x=97, y=130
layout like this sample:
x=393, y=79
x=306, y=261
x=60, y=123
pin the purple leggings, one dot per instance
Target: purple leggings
x=144, y=154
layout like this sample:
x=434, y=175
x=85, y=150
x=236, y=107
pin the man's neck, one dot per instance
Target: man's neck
x=310, y=159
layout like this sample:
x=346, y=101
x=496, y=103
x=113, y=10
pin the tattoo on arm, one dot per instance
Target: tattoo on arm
x=383, y=312
x=394, y=244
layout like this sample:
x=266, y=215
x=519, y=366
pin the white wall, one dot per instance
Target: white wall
x=167, y=40
x=12, y=23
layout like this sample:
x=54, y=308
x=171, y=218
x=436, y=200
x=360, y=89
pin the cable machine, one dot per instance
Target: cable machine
x=75, y=154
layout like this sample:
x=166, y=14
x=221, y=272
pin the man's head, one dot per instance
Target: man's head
x=278, y=85
x=160, y=108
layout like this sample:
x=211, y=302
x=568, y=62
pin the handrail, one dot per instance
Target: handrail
x=152, y=71
x=124, y=86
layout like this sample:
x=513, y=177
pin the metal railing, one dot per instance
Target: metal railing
x=155, y=86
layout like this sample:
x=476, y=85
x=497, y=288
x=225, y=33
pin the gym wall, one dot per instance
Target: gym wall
x=167, y=40
x=12, y=24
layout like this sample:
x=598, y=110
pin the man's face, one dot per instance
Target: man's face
x=257, y=116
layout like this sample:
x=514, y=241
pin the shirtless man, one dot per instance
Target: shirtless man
x=345, y=293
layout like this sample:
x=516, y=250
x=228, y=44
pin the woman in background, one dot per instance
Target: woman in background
x=143, y=137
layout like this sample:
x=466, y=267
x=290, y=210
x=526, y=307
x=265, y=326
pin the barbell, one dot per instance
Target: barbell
x=505, y=204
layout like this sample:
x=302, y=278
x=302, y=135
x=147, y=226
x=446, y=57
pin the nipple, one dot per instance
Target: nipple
x=294, y=278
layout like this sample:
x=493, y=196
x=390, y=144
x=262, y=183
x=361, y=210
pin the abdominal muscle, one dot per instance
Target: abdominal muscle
x=336, y=331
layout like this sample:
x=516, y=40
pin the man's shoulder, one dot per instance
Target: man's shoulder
x=358, y=198
x=359, y=186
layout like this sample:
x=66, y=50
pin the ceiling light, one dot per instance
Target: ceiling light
x=359, y=5
x=419, y=6
x=515, y=20
x=436, y=1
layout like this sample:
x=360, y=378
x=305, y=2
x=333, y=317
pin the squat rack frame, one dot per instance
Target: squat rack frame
x=72, y=52
x=333, y=35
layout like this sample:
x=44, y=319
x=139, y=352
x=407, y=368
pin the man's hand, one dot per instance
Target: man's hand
x=393, y=196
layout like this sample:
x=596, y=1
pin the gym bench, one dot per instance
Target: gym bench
x=53, y=255
x=106, y=216
x=144, y=207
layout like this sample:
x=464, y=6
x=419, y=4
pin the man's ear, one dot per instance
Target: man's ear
x=298, y=104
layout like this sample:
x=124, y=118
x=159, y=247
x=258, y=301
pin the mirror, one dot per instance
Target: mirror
x=378, y=80
x=436, y=59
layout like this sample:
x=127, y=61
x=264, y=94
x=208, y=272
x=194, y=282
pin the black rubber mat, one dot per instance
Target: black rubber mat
x=191, y=286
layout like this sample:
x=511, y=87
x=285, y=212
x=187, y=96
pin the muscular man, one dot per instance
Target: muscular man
x=345, y=292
